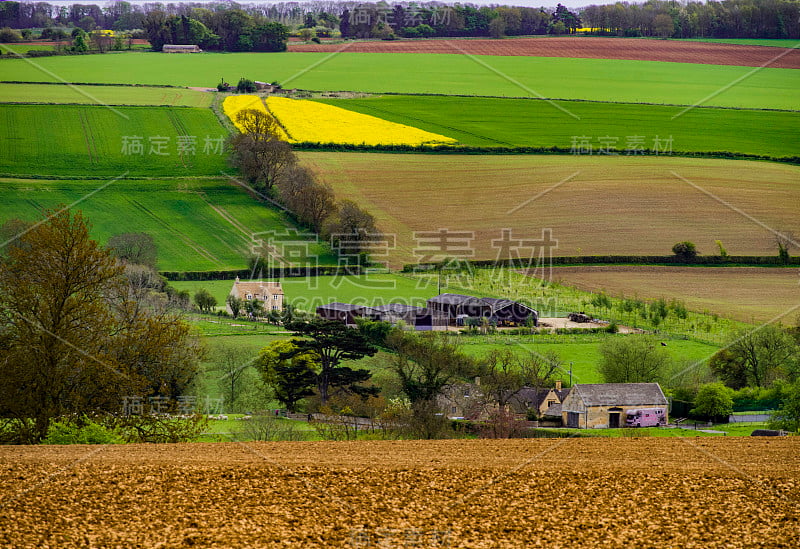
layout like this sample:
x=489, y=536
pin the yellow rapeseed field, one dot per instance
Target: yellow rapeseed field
x=311, y=122
x=235, y=103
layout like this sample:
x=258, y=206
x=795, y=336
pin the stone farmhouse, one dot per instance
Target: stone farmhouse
x=605, y=405
x=467, y=400
x=270, y=293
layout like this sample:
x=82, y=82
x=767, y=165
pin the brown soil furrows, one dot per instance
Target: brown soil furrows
x=626, y=492
x=705, y=53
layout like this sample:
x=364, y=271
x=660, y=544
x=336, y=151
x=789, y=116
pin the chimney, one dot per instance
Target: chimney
x=558, y=385
x=478, y=381
x=237, y=280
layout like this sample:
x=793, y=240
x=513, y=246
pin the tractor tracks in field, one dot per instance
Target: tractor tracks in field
x=88, y=136
x=182, y=236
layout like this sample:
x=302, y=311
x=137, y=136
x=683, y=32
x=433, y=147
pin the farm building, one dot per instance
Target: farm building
x=270, y=293
x=418, y=318
x=467, y=400
x=605, y=405
x=501, y=311
x=344, y=312
x=181, y=48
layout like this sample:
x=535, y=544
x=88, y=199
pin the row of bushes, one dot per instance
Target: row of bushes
x=262, y=271
x=464, y=149
x=728, y=261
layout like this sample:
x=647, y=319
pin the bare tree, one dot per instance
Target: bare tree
x=786, y=242
x=259, y=125
x=260, y=161
x=311, y=202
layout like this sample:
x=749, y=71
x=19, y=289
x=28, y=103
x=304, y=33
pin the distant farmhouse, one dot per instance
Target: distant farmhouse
x=442, y=311
x=270, y=293
x=606, y=405
x=467, y=400
x=181, y=48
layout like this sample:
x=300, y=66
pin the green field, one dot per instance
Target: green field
x=197, y=224
x=488, y=122
x=565, y=78
x=309, y=293
x=23, y=48
x=103, y=95
x=90, y=141
x=773, y=42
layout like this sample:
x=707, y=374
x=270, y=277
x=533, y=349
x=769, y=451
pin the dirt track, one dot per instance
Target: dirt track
x=590, y=48
x=645, y=492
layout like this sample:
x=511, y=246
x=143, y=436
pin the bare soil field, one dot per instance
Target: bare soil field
x=584, y=47
x=743, y=293
x=593, y=205
x=628, y=492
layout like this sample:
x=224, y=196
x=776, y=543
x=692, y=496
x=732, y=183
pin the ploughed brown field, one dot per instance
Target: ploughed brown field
x=743, y=293
x=593, y=205
x=582, y=47
x=628, y=492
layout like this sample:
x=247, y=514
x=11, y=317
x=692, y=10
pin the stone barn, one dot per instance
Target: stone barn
x=605, y=405
x=181, y=48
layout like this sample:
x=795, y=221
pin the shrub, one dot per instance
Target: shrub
x=69, y=432
x=10, y=35
x=685, y=250
x=245, y=85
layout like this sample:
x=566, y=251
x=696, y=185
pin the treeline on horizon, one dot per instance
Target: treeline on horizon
x=388, y=20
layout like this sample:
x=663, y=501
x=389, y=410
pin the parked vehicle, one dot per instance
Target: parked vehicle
x=646, y=417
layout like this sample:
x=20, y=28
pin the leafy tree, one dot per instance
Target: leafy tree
x=632, y=359
x=763, y=355
x=9, y=35
x=205, y=301
x=353, y=231
x=261, y=162
x=785, y=241
x=76, y=336
x=729, y=368
x=254, y=307
x=787, y=416
x=309, y=201
x=425, y=363
x=663, y=25
x=334, y=342
x=713, y=400
x=601, y=301
x=231, y=362
x=87, y=23
x=79, y=43
x=291, y=378
x=235, y=304
x=137, y=248
x=685, y=250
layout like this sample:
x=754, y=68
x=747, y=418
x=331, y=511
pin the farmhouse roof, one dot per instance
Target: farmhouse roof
x=498, y=304
x=621, y=394
x=256, y=287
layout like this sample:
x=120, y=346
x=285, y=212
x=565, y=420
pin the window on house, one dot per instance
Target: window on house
x=274, y=307
x=453, y=410
x=249, y=296
x=275, y=296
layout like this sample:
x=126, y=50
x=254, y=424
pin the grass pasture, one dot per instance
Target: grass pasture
x=593, y=205
x=769, y=42
x=103, y=95
x=90, y=141
x=564, y=78
x=746, y=294
x=197, y=224
x=488, y=122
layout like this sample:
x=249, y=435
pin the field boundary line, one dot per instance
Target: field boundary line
x=69, y=206
x=511, y=79
x=728, y=86
x=77, y=88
